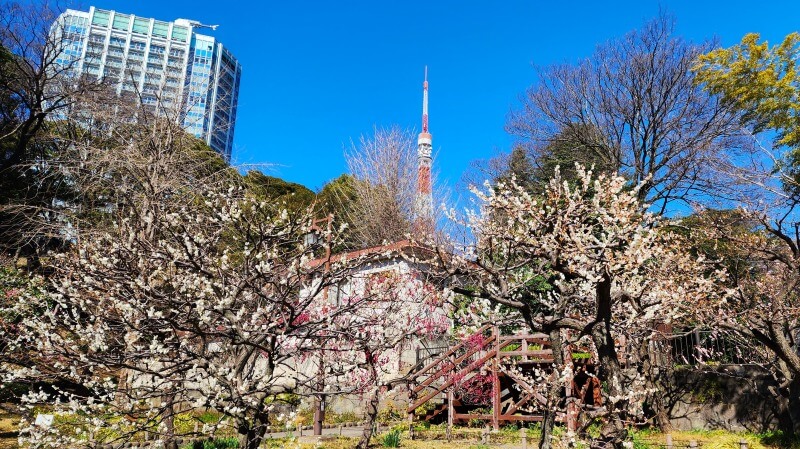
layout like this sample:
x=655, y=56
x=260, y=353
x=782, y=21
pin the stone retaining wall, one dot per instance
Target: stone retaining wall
x=730, y=397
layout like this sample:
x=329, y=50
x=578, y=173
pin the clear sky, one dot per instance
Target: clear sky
x=317, y=74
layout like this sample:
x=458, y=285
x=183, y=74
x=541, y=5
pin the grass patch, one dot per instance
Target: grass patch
x=391, y=439
x=217, y=443
x=713, y=439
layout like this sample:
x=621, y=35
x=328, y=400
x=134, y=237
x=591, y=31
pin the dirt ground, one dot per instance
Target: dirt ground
x=8, y=424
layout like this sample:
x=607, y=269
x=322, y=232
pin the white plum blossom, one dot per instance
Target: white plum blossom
x=586, y=263
x=211, y=303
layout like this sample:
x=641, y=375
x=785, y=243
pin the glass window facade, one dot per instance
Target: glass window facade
x=167, y=66
x=73, y=34
x=100, y=18
x=141, y=26
x=121, y=22
x=179, y=33
x=160, y=29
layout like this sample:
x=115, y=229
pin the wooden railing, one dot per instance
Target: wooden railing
x=467, y=358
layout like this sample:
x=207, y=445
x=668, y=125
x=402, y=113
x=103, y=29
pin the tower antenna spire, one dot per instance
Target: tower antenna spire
x=425, y=102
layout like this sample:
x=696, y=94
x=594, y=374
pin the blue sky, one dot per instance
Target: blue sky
x=317, y=74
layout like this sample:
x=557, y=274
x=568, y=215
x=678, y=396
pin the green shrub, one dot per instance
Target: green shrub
x=423, y=409
x=390, y=412
x=476, y=422
x=422, y=425
x=391, y=439
x=399, y=427
x=217, y=443
x=284, y=398
x=304, y=416
x=779, y=439
x=339, y=418
x=510, y=430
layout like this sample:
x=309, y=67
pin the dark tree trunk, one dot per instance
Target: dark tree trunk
x=169, y=421
x=660, y=411
x=255, y=432
x=612, y=432
x=789, y=416
x=370, y=414
x=654, y=369
x=553, y=391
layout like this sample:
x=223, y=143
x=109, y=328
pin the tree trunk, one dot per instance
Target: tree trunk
x=660, y=412
x=169, y=421
x=612, y=432
x=553, y=391
x=790, y=421
x=256, y=432
x=655, y=372
x=371, y=413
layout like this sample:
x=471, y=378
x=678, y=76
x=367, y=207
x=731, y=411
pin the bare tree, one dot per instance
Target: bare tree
x=39, y=84
x=634, y=105
x=384, y=170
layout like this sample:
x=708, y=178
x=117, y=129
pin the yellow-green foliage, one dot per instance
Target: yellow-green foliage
x=760, y=80
x=390, y=412
x=718, y=439
x=339, y=418
x=710, y=439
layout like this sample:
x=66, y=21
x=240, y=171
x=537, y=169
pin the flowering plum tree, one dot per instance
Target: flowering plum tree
x=584, y=258
x=206, y=302
x=396, y=308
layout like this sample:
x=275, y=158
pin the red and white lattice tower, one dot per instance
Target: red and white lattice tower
x=424, y=200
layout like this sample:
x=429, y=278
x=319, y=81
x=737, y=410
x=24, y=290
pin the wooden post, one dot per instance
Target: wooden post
x=450, y=412
x=669, y=441
x=693, y=444
x=496, y=381
x=340, y=430
x=742, y=444
x=299, y=430
x=450, y=409
x=524, y=437
x=525, y=349
x=411, y=412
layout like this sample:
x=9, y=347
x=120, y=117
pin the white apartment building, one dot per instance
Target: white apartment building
x=169, y=65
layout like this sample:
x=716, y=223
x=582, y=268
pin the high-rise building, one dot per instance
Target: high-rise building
x=169, y=65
